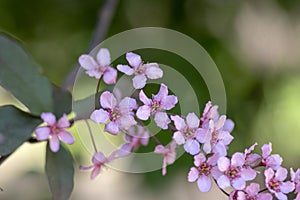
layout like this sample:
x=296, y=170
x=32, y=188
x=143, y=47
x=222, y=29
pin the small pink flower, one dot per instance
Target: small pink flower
x=270, y=161
x=186, y=132
x=295, y=178
x=120, y=115
x=210, y=112
x=136, y=136
x=140, y=70
x=54, y=131
x=215, y=135
x=252, y=193
x=99, y=160
x=275, y=182
x=159, y=102
x=100, y=67
x=169, y=155
x=234, y=173
x=204, y=168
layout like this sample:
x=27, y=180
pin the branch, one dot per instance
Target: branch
x=105, y=16
x=3, y=158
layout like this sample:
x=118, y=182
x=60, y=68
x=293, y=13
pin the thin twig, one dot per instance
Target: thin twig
x=92, y=137
x=105, y=16
x=222, y=189
x=96, y=93
x=3, y=158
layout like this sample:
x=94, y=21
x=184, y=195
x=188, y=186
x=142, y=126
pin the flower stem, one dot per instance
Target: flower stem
x=97, y=91
x=91, y=135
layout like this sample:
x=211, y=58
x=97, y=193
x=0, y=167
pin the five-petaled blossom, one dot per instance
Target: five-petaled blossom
x=120, y=115
x=275, y=182
x=186, y=132
x=100, y=67
x=169, y=155
x=252, y=192
x=99, y=160
x=234, y=174
x=204, y=168
x=295, y=178
x=54, y=130
x=136, y=136
x=159, y=102
x=270, y=161
x=140, y=70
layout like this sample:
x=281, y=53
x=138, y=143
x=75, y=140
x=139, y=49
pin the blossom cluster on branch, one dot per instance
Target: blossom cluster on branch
x=206, y=137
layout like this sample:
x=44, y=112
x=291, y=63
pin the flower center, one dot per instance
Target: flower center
x=155, y=106
x=274, y=185
x=204, y=168
x=140, y=70
x=54, y=129
x=250, y=198
x=114, y=115
x=233, y=173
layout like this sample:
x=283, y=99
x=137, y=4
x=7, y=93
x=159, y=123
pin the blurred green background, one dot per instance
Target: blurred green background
x=256, y=46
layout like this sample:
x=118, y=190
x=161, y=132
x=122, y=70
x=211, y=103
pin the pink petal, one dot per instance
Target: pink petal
x=133, y=59
x=125, y=69
x=238, y=159
x=220, y=122
x=103, y=57
x=162, y=93
x=238, y=183
x=144, y=98
x=228, y=125
x=63, y=122
x=139, y=81
x=42, y=133
x=49, y=118
x=223, y=182
x=87, y=62
x=193, y=174
x=204, y=183
x=125, y=122
x=99, y=158
x=54, y=143
x=274, y=161
x=153, y=71
x=160, y=149
x=192, y=147
x=112, y=128
x=287, y=187
x=265, y=196
x=269, y=173
x=94, y=73
x=108, y=100
x=281, y=174
x=127, y=104
x=252, y=189
x=223, y=164
x=220, y=149
x=199, y=159
x=118, y=153
x=66, y=137
x=266, y=150
x=248, y=174
x=100, y=116
x=162, y=120
x=202, y=135
x=95, y=172
x=179, y=122
x=169, y=102
x=127, y=147
x=143, y=112
x=86, y=168
x=281, y=196
x=110, y=75
x=178, y=137
x=192, y=120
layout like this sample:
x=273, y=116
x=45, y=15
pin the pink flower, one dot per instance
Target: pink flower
x=252, y=193
x=55, y=131
x=216, y=136
x=136, y=135
x=169, y=155
x=120, y=116
x=99, y=160
x=140, y=70
x=187, y=131
x=270, y=161
x=209, y=113
x=204, y=168
x=159, y=102
x=234, y=173
x=100, y=67
x=275, y=184
x=295, y=178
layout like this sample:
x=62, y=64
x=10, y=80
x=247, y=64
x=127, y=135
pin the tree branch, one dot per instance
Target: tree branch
x=105, y=16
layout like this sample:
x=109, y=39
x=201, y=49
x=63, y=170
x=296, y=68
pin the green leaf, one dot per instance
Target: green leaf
x=60, y=173
x=62, y=101
x=16, y=127
x=21, y=76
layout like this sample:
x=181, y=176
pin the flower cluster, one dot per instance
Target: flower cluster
x=206, y=137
